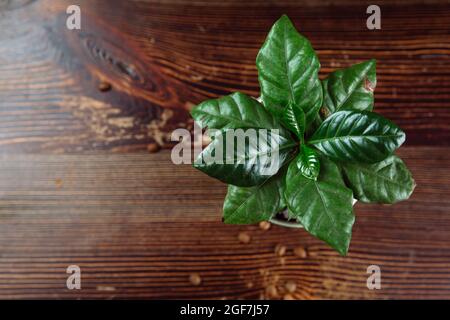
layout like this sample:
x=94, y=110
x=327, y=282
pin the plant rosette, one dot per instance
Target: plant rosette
x=332, y=148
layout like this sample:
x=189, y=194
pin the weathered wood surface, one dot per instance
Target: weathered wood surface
x=76, y=186
x=162, y=57
x=139, y=226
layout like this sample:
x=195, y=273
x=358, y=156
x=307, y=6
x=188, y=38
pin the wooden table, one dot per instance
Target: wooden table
x=78, y=186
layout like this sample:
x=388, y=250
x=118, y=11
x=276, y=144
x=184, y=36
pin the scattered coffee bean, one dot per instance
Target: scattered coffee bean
x=300, y=252
x=264, y=225
x=195, y=279
x=105, y=288
x=288, y=297
x=244, y=237
x=104, y=86
x=58, y=182
x=271, y=291
x=153, y=147
x=280, y=250
x=290, y=286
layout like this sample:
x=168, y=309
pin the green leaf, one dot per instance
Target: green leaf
x=388, y=181
x=244, y=161
x=255, y=204
x=233, y=112
x=308, y=162
x=323, y=207
x=357, y=136
x=288, y=70
x=351, y=88
x=294, y=119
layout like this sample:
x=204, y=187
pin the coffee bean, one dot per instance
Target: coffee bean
x=244, y=237
x=264, y=225
x=280, y=250
x=153, y=147
x=195, y=279
x=104, y=86
x=300, y=252
x=290, y=286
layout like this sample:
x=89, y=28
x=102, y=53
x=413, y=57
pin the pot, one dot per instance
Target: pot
x=281, y=219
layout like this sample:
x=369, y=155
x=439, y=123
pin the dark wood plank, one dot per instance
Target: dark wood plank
x=139, y=226
x=74, y=190
x=162, y=57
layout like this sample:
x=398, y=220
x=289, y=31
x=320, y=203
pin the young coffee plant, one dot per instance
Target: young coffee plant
x=332, y=148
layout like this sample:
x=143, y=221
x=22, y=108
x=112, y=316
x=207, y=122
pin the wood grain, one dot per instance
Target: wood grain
x=139, y=226
x=163, y=57
x=77, y=186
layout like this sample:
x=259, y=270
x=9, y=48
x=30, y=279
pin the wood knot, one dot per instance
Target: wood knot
x=113, y=57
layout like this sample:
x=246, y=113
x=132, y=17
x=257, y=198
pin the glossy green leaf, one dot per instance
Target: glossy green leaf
x=294, y=119
x=288, y=70
x=357, y=136
x=333, y=116
x=244, y=161
x=234, y=111
x=255, y=204
x=388, y=181
x=308, y=162
x=323, y=207
x=351, y=88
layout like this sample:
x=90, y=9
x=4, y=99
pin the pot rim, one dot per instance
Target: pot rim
x=284, y=223
x=292, y=224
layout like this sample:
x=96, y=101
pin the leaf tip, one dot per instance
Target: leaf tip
x=343, y=252
x=284, y=19
x=284, y=16
x=343, y=248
